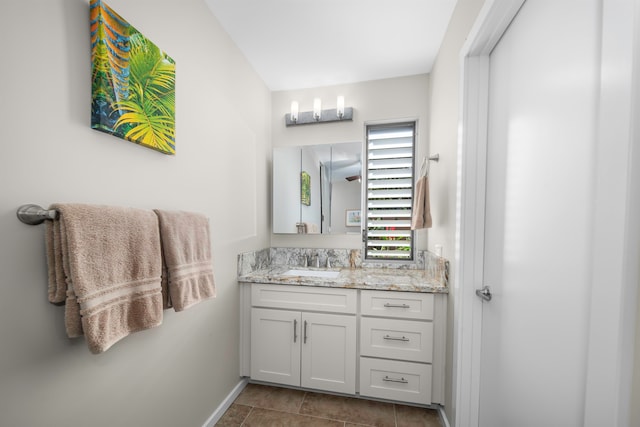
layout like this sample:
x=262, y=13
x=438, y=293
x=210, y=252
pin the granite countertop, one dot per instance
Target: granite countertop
x=387, y=279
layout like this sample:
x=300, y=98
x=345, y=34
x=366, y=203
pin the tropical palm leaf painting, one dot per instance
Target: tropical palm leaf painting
x=305, y=188
x=132, y=83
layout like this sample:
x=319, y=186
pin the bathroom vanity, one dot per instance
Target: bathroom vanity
x=370, y=332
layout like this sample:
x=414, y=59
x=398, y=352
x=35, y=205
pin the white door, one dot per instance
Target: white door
x=543, y=85
x=329, y=352
x=275, y=346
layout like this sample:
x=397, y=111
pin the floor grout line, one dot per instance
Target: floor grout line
x=304, y=396
x=395, y=415
x=246, y=416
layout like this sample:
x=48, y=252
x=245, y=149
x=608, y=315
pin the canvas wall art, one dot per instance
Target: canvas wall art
x=132, y=83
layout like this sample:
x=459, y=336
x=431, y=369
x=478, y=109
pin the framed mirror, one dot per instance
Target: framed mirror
x=317, y=189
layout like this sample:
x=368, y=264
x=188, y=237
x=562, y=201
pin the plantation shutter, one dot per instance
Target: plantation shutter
x=390, y=161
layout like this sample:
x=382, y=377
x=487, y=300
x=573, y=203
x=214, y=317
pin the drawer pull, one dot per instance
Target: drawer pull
x=389, y=305
x=395, y=380
x=389, y=337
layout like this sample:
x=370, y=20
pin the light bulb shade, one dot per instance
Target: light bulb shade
x=294, y=111
x=317, y=109
x=340, y=106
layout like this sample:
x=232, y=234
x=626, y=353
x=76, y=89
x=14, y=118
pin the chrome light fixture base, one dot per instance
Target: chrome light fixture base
x=327, y=116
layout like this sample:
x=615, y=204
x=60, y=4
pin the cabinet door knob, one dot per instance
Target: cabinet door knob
x=295, y=330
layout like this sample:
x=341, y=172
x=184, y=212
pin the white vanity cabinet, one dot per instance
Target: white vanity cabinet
x=383, y=344
x=315, y=348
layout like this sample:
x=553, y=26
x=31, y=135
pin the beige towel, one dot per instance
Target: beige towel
x=111, y=260
x=186, y=249
x=57, y=278
x=421, y=216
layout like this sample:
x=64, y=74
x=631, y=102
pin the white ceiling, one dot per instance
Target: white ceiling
x=295, y=44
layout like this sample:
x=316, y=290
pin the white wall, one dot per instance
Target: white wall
x=445, y=111
x=178, y=373
x=379, y=100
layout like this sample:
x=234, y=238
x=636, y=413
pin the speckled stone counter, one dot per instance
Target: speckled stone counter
x=257, y=267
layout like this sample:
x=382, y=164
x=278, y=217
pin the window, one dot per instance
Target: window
x=390, y=166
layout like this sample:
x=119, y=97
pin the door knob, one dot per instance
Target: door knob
x=484, y=293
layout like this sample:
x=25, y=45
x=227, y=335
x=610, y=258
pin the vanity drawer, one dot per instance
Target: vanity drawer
x=333, y=300
x=388, y=379
x=396, y=339
x=408, y=305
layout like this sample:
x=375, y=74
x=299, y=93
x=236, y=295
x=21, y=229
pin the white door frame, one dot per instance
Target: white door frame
x=616, y=225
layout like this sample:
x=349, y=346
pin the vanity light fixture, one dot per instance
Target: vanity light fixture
x=317, y=109
x=340, y=107
x=318, y=115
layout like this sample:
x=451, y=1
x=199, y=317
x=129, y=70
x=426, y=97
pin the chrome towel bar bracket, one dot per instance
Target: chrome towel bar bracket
x=34, y=214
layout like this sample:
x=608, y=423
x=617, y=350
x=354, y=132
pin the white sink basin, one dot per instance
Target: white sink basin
x=313, y=273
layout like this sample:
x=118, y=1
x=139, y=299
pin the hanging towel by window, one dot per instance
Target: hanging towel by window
x=421, y=215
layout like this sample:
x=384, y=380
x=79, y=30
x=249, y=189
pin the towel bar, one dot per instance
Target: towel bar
x=424, y=167
x=34, y=214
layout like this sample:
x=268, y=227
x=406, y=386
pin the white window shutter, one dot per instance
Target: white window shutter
x=390, y=177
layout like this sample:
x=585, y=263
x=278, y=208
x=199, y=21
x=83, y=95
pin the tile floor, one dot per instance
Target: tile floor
x=261, y=405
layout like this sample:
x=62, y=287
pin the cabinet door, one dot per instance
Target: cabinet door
x=275, y=346
x=329, y=352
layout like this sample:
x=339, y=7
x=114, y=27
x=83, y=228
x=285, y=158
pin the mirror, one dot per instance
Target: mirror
x=315, y=187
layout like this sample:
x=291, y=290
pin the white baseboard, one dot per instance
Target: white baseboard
x=443, y=417
x=226, y=403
